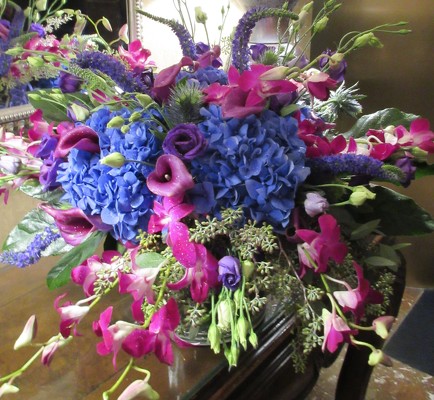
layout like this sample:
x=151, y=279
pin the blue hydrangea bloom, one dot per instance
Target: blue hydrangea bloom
x=205, y=76
x=256, y=163
x=119, y=195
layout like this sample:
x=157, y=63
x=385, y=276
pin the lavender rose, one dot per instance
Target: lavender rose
x=185, y=141
x=229, y=272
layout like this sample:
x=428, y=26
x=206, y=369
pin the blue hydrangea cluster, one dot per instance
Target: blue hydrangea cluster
x=32, y=254
x=256, y=163
x=205, y=76
x=119, y=195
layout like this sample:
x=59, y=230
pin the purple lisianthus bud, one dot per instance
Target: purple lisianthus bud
x=39, y=29
x=229, y=272
x=170, y=177
x=47, y=146
x=81, y=138
x=337, y=66
x=48, y=173
x=69, y=83
x=315, y=204
x=407, y=168
x=185, y=141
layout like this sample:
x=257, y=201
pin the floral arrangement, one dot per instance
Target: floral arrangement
x=35, y=28
x=215, y=190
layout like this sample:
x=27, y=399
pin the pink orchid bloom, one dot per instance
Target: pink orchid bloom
x=419, y=135
x=318, y=146
x=354, y=300
x=172, y=210
x=112, y=335
x=50, y=349
x=70, y=316
x=206, y=59
x=215, y=93
x=201, y=266
x=73, y=224
x=139, y=387
x=136, y=56
x=139, y=284
x=85, y=274
x=336, y=331
x=166, y=78
x=170, y=177
x=319, y=84
x=81, y=137
x=321, y=247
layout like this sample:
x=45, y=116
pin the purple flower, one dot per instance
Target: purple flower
x=202, y=48
x=47, y=146
x=257, y=50
x=229, y=272
x=407, y=168
x=336, y=70
x=81, y=138
x=39, y=29
x=69, y=83
x=170, y=177
x=48, y=174
x=202, y=196
x=185, y=141
x=315, y=204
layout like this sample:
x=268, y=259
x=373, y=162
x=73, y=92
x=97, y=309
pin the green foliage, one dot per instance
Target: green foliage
x=33, y=188
x=24, y=233
x=61, y=272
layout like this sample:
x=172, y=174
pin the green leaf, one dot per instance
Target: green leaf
x=60, y=274
x=364, y=229
x=34, y=189
x=377, y=261
x=150, y=260
x=424, y=169
x=399, y=214
x=379, y=120
x=24, y=233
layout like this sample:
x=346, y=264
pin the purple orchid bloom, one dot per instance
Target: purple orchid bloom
x=321, y=246
x=70, y=316
x=81, y=137
x=336, y=331
x=170, y=177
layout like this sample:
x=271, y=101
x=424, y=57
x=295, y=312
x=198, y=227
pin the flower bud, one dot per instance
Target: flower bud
x=315, y=204
x=253, y=339
x=247, y=268
x=382, y=325
x=41, y=5
x=27, y=12
x=77, y=112
x=368, y=39
x=224, y=314
x=144, y=100
x=106, y=24
x=114, y=160
x=360, y=195
x=135, y=116
x=378, y=357
x=35, y=61
x=320, y=25
x=7, y=388
x=243, y=328
x=307, y=7
x=10, y=164
x=139, y=388
x=80, y=24
x=123, y=34
x=214, y=337
x=28, y=333
x=235, y=353
x=200, y=16
x=276, y=73
x=116, y=122
x=336, y=59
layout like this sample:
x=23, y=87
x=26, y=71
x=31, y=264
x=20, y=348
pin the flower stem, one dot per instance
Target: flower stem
x=107, y=393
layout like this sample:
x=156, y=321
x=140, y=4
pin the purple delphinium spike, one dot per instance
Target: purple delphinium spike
x=186, y=42
x=353, y=164
x=243, y=31
x=115, y=69
x=33, y=252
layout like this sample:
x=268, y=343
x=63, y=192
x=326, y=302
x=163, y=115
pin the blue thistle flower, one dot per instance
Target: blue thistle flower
x=256, y=163
x=33, y=252
x=115, y=69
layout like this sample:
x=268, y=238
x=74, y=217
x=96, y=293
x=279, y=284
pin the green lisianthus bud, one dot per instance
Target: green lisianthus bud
x=116, y=122
x=80, y=24
x=307, y=7
x=36, y=16
x=336, y=58
x=35, y=61
x=144, y=100
x=79, y=112
x=125, y=129
x=200, y=15
x=135, y=116
x=243, y=328
x=16, y=51
x=114, y=160
x=247, y=267
x=224, y=314
x=106, y=24
x=360, y=195
x=235, y=353
x=320, y=25
x=214, y=337
x=27, y=12
x=41, y=5
x=368, y=39
x=253, y=339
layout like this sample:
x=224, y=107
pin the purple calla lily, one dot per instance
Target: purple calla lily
x=170, y=177
x=81, y=138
